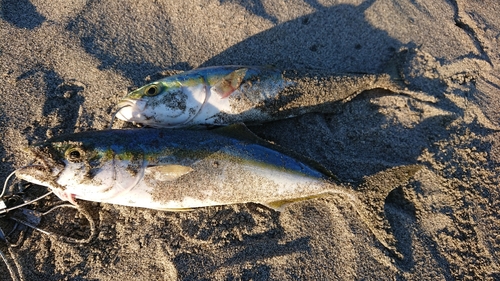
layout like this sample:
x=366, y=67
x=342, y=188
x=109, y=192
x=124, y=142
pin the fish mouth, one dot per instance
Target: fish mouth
x=41, y=175
x=38, y=174
x=127, y=109
x=44, y=170
x=124, y=110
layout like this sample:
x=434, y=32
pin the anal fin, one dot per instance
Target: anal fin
x=175, y=209
x=280, y=205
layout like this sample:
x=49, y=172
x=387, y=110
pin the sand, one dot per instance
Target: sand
x=65, y=64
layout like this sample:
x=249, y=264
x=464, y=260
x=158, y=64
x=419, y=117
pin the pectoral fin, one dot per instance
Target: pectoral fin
x=227, y=85
x=168, y=172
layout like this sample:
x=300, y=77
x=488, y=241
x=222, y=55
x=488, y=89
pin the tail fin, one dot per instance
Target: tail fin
x=373, y=192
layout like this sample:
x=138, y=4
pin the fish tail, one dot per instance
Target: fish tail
x=372, y=193
x=372, y=220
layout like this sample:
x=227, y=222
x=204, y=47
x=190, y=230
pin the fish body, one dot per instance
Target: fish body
x=173, y=169
x=223, y=95
x=206, y=96
x=178, y=170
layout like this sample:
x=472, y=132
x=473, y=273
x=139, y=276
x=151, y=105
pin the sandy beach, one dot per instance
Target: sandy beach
x=64, y=65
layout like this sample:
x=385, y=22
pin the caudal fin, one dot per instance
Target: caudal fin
x=373, y=193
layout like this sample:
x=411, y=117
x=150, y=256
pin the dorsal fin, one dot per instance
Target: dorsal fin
x=240, y=132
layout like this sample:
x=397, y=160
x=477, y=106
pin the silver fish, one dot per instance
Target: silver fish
x=173, y=169
x=181, y=169
x=225, y=95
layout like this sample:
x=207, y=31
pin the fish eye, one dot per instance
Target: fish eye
x=74, y=154
x=151, y=90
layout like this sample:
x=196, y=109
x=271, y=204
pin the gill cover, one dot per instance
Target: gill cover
x=73, y=169
x=172, y=100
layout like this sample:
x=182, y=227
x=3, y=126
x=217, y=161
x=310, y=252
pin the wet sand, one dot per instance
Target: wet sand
x=65, y=64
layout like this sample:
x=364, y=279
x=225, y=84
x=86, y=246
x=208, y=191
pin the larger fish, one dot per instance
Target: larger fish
x=230, y=94
x=180, y=170
x=165, y=169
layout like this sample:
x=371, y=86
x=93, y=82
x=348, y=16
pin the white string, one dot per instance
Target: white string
x=11, y=174
x=7, y=180
x=25, y=203
x=114, y=116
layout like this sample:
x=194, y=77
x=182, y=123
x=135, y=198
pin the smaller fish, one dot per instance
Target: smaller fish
x=223, y=95
x=205, y=96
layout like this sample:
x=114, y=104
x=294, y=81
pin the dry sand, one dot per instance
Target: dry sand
x=64, y=64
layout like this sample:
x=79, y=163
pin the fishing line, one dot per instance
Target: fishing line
x=70, y=239
x=7, y=181
x=6, y=210
x=87, y=216
x=114, y=115
x=11, y=174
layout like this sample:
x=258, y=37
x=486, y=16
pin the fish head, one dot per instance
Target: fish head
x=169, y=102
x=80, y=167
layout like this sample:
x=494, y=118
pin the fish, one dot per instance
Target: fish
x=173, y=169
x=223, y=95
x=180, y=170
